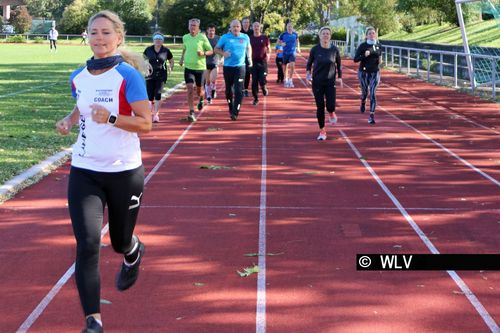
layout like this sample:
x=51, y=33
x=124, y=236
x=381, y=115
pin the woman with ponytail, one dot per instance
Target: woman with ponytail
x=369, y=56
x=106, y=169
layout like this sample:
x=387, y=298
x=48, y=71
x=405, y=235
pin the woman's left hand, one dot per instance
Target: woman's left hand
x=341, y=83
x=99, y=113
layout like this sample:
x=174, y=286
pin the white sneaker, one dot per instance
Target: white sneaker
x=333, y=118
x=322, y=135
x=290, y=84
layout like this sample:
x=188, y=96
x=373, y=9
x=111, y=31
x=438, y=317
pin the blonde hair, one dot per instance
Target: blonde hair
x=134, y=59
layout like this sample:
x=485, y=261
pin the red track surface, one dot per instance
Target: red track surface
x=322, y=208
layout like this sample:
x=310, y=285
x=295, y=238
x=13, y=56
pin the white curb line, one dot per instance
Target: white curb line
x=42, y=169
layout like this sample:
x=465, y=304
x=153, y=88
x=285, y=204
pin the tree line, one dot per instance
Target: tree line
x=141, y=17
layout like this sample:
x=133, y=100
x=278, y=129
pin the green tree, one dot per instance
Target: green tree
x=380, y=14
x=76, y=16
x=21, y=19
x=135, y=13
x=47, y=8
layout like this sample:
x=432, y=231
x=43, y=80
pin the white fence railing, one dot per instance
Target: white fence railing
x=441, y=64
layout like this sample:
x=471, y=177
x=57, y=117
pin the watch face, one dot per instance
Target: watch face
x=112, y=119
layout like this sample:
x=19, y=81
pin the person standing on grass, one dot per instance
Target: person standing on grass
x=290, y=41
x=106, y=168
x=157, y=56
x=85, y=35
x=323, y=67
x=53, y=34
x=279, y=62
x=212, y=66
x=369, y=56
x=195, y=47
x=246, y=29
x=261, y=52
x=234, y=47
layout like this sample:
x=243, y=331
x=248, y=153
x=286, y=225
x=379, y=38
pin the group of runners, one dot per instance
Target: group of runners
x=113, y=105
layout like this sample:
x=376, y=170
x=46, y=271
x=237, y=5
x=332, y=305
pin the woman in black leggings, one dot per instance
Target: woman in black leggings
x=324, y=60
x=106, y=166
x=369, y=56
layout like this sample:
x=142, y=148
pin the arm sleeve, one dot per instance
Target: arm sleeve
x=358, y=56
x=169, y=54
x=135, y=87
x=310, y=60
x=338, y=62
x=206, y=45
x=220, y=43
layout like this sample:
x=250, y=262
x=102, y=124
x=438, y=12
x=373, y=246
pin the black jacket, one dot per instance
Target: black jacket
x=371, y=63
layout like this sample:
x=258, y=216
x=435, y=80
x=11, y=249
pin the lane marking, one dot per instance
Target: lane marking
x=451, y=153
x=490, y=322
x=35, y=314
x=428, y=103
x=260, y=319
x=30, y=89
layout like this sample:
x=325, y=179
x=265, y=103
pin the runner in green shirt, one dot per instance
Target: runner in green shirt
x=195, y=47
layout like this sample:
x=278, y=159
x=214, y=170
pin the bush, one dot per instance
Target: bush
x=309, y=39
x=38, y=40
x=21, y=19
x=339, y=34
x=16, y=39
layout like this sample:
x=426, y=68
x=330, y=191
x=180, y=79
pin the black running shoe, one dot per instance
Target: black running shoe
x=200, y=104
x=245, y=92
x=371, y=119
x=92, y=326
x=234, y=117
x=362, y=108
x=265, y=91
x=209, y=100
x=127, y=275
x=255, y=101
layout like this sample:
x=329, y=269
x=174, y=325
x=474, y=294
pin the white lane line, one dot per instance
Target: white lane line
x=29, y=89
x=451, y=153
x=35, y=314
x=465, y=162
x=444, y=209
x=260, y=318
x=426, y=102
x=490, y=322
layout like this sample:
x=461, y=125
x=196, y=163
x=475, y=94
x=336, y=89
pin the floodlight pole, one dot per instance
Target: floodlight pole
x=458, y=4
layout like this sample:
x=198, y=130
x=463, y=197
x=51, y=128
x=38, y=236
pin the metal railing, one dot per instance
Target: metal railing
x=128, y=38
x=440, y=66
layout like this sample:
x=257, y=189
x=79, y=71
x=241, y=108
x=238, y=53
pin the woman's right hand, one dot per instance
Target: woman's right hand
x=64, y=126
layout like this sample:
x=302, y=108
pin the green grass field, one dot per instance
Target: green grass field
x=34, y=94
x=485, y=33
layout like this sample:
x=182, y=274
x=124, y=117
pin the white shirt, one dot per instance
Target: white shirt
x=53, y=34
x=103, y=147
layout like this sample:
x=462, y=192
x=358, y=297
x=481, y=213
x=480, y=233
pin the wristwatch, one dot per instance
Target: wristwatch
x=112, y=119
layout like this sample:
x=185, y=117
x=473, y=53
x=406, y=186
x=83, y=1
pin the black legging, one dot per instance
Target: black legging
x=53, y=42
x=233, y=78
x=322, y=91
x=259, y=74
x=88, y=193
x=279, y=64
x=154, y=88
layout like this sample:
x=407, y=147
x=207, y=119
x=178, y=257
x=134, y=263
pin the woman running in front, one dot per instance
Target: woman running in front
x=324, y=60
x=106, y=168
x=369, y=56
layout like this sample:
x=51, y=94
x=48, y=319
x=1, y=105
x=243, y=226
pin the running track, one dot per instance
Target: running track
x=424, y=179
